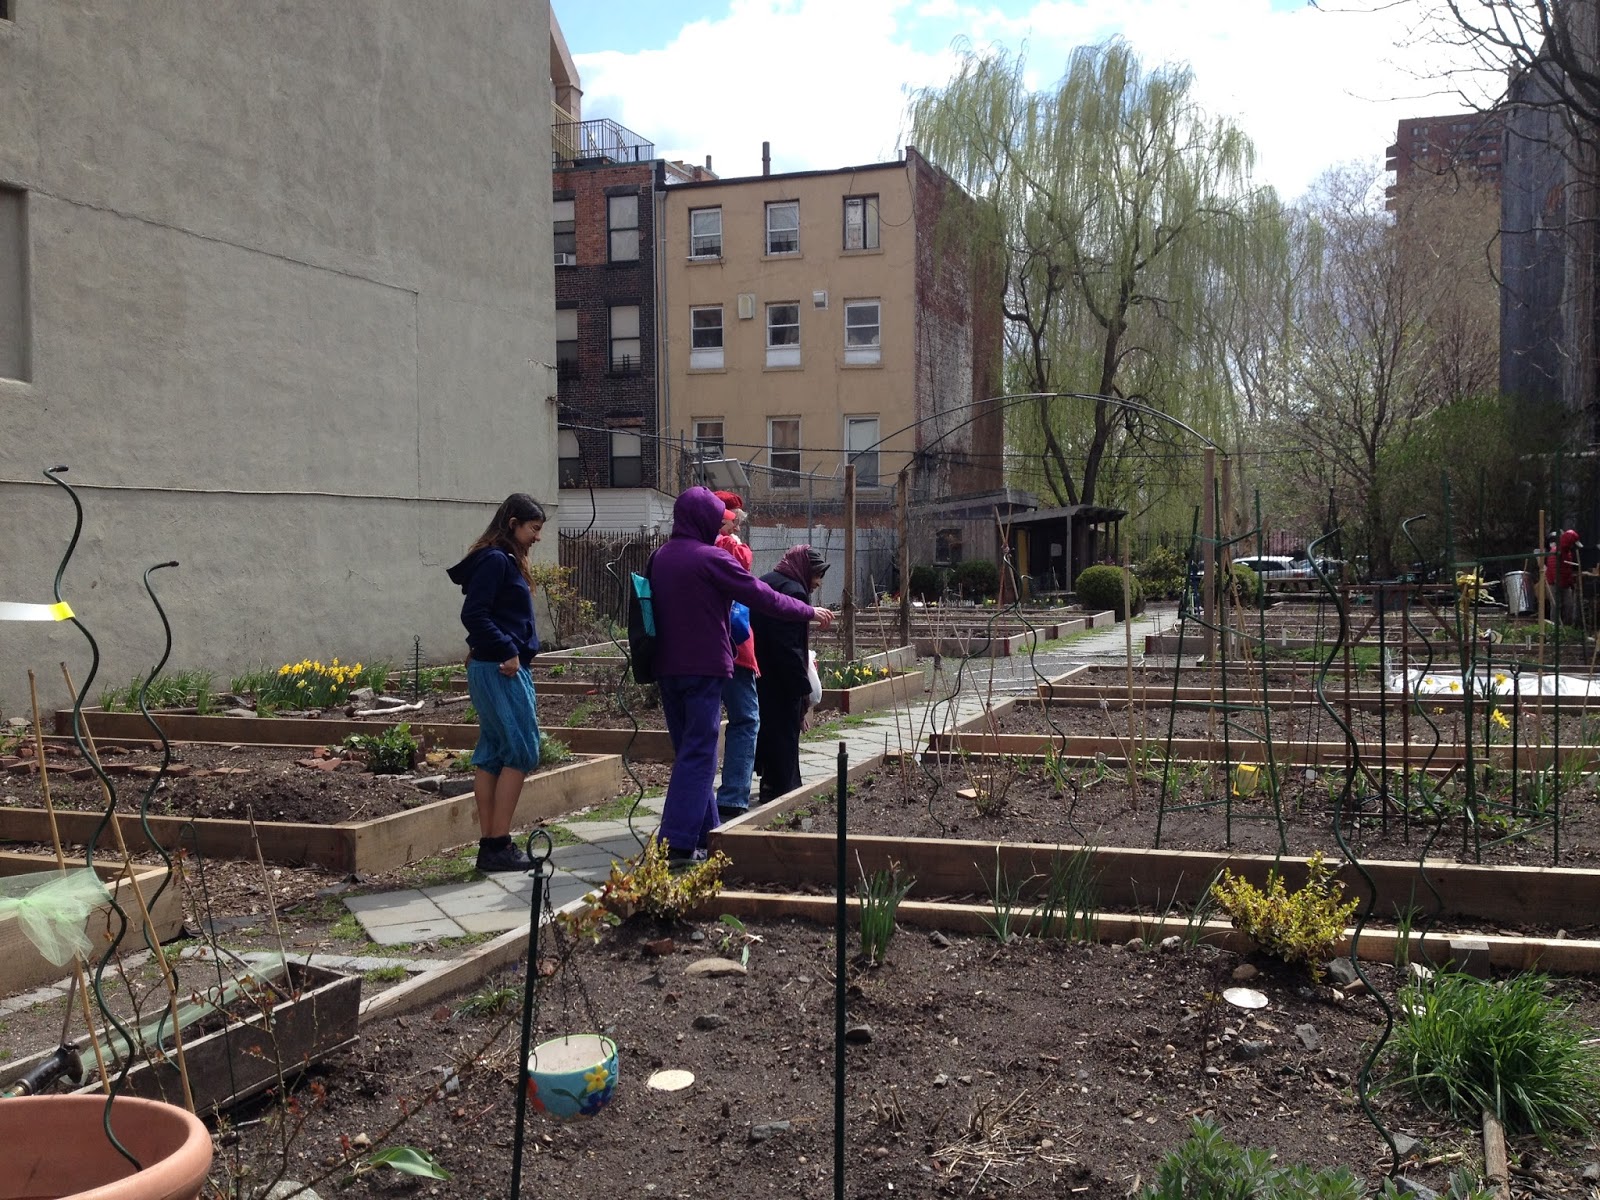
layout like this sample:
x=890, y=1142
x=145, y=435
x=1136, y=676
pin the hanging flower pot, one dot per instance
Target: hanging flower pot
x=56, y=1149
x=571, y=1076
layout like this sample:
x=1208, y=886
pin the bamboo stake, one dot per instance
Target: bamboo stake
x=1127, y=640
x=266, y=885
x=1496, y=1167
x=144, y=909
x=80, y=985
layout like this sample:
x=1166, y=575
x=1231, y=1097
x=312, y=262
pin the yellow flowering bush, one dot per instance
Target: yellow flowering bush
x=310, y=683
x=852, y=674
x=1302, y=926
x=650, y=885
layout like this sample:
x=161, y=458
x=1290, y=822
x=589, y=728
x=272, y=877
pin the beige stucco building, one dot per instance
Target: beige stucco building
x=276, y=284
x=816, y=318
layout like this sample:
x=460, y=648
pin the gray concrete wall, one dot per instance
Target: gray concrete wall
x=291, y=314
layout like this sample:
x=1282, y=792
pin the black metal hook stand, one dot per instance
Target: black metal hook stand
x=542, y=870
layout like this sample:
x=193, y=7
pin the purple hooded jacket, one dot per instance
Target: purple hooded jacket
x=692, y=582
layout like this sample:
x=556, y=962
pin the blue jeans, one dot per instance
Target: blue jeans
x=739, y=743
x=692, y=705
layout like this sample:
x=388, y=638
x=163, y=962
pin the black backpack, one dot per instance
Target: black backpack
x=642, y=626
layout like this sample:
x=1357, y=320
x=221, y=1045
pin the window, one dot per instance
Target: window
x=783, y=335
x=705, y=338
x=947, y=547
x=15, y=338
x=622, y=227
x=708, y=438
x=783, y=451
x=860, y=222
x=569, y=463
x=625, y=339
x=627, y=461
x=705, y=233
x=862, y=332
x=783, y=227
x=566, y=343
x=564, y=220
x=861, y=444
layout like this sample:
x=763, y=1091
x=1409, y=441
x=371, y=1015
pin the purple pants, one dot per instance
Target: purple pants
x=693, y=708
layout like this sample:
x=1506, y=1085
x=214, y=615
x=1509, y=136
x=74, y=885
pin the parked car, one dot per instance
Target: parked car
x=1281, y=572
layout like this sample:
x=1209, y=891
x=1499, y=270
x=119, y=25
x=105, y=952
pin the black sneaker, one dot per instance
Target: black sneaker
x=730, y=814
x=679, y=861
x=506, y=858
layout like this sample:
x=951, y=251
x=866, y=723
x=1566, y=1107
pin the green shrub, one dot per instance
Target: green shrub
x=927, y=582
x=553, y=751
x=1210, y=1167
x=1101, y=588
x=392, y=752
x=1465, y=1046
x=1243, y=587
x=1162, y=573
x=1302, y=926
x=976, y=579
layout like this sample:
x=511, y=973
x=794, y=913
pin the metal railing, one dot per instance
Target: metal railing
x=574, y=143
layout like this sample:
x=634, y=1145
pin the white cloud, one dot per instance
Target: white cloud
x=827, y=81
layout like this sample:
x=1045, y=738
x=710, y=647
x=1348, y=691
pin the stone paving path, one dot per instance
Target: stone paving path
x=501, y=902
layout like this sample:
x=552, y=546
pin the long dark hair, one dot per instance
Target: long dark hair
x=518, y=507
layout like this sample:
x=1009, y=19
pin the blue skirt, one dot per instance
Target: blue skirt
x=508, y=718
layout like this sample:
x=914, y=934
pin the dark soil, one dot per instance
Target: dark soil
x=1094, y=808
x=313, y=786
x=1030, y=1070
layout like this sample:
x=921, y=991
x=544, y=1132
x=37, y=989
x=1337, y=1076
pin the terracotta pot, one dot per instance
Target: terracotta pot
x=56, y=1147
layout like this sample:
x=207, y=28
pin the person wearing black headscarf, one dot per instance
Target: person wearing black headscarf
x=783, y=652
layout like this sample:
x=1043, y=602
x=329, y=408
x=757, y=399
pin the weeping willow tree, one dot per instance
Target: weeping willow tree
x=1121, y=215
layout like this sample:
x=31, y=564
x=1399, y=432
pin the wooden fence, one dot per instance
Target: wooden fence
x=601, y=560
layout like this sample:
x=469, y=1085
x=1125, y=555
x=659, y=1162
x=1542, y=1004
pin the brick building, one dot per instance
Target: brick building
x=1466, y=146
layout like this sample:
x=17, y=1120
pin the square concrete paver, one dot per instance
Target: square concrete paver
x=391, y=908
x=493, y=922
x=414, y=931
x=480, y=898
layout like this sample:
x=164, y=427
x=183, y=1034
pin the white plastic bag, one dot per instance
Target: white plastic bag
x=814, y=678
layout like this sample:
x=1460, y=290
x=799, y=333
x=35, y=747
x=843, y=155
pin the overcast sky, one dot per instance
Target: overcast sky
x=826, y=81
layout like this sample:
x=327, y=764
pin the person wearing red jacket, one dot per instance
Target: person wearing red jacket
x=739, y=698
x=1561, y=575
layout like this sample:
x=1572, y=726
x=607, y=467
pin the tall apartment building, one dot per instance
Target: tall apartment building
x=818, y=318
x=1464, y=146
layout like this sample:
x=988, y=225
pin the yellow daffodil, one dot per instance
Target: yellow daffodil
x=1500, y=719
x=1454, y=686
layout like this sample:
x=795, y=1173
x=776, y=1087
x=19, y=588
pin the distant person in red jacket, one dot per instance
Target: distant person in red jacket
x=1561, y=575
x=739, y=699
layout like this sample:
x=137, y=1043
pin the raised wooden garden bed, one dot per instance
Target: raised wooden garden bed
x=367, y=847
x=244, y=1057
x=23, y=967
x=890, y=692
x=652, y=745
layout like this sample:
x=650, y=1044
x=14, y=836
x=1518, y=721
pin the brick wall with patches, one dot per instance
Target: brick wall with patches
x=607, y=371
x=958, y=352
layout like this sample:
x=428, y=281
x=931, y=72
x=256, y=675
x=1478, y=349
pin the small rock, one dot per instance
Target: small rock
x=939, y=940
x=1334, y=1075
x=430, y=783
x=1134, y=944
x=1591, y=1173
x=661, y=947
x=17, y=722
x=1171, y=944
x=1405, y=1145
x=858, y=1035
x=1246, y=1049
x=441, y=1014
x=363, y=695
x=709, y=1021
x=964, y=1080
x=715, y=968
x=240, y=712
x=1342, y=971
x=361, y=1141
x=697, y=936
x=768, y=1130
x=1308, y=1035
x=941, y=1080
x=1244, y=972
x=1418, y=972
x=1410, y=1187
x=285, y=1188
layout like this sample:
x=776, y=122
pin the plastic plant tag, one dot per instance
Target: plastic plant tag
x=1246, y=777
x=51, y=908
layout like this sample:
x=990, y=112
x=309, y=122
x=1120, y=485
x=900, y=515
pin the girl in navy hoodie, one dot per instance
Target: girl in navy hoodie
x=502, y=640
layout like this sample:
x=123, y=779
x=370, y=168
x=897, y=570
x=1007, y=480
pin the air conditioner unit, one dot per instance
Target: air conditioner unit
x=566, y=260
x=819, y=299
x=747, y=305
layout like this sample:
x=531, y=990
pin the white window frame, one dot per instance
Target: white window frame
x=618, y=233
x=704, y=244
x=863, y=339
x=705, y=340
x=783, y=238
x=861, y=224
x=567, y=323
x=785, y=470
x=705, y=439
x=620, y=339
x=859, y=434
x=565, y=213
x=625, y=440
x=568, y=450
x=783, y=337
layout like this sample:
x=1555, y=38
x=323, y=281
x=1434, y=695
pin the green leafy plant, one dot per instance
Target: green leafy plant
x=183, y=689
x=557, y=671
x=408, y=1160
x=649, y=884
x=1302, y=926
x=1101, y=588
x=553, y=751
x=928, y=582
x=880, y=894
x=1210, y=1167
x=486, y=1002
x=1071, y=898
x=976, y=579
x=1511, y=1048
x=1004, y=897
x=735, y=934
x=392, y=752
x=1162, y=573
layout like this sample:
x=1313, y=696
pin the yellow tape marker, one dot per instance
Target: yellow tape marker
x=9, y=611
